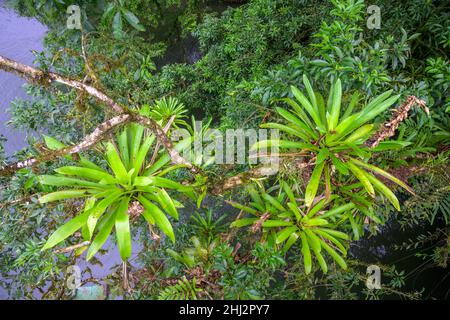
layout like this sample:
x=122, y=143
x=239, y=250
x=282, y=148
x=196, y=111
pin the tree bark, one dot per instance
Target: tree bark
x=45, y=78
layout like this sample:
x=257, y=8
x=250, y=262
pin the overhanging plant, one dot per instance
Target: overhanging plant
x=133, y=185
x=332, y=139
x=285, y=221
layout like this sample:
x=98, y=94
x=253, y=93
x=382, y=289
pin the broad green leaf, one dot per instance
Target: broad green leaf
x=276, y=223
x=313, y=240
x=362, y=176
x=289, y=130
x=340, y=166
x=321, y=107
x=335, y=107
x=316, y=222
x=310, y=91
x=391, y=145
x=243, y=222
x=384, y=174
x=62, y=181
x=368, y=114
x=255, y=195
x=109, y=11
x=167, y=204
x=102, y=235
x=160, y=219
x=61, y=195
x=334, y=255
x=167, y=183
x=143, y=181
x=109, y=199
x=133, y=20
x=308, y=107
x=142, y=153
x=288, y=191
x=306, y=253
x=135, y=134
x=117, y=25
x=282, y=144
x=361, y=132
x=353, y=102
x=91, y=221
x=377, y=100
x=242, y=207
x=122, y=142
x=52, y=143
x=380, y=186
x=116, y=164
x=123, y=234
x=273, y=202
x=292, y=239
x=303, y=116
x=338, y=210
x=89, y=164
x=87, y=173
x=313, y=184
x=316, y=208
x=295, y=210
x=332, y=239
x=353, y=224
x=285, y=233
x=66, y=230
x=334, y=233
x=304, y=130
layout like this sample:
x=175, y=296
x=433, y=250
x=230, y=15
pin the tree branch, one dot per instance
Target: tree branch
x=398, y=115
x=242, y=178
x=87, y=142
x=45, y=78
x=42, y=77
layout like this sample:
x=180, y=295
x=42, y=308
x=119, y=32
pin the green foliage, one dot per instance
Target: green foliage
x=133, y=186
x=183, y=290
x=116, y=12
x=334, y=139
x=283, y=219
x=207, y=227
x=253, y=61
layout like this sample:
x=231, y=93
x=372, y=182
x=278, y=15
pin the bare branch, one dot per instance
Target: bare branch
x=43, y=77
x=388, y=129
x=87, y=142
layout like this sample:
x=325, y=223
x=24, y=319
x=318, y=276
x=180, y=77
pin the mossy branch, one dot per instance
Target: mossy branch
x=46, y=78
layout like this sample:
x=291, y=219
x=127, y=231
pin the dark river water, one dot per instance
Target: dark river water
x=18, y=36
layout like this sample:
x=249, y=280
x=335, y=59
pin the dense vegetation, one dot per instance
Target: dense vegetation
x=350, y=169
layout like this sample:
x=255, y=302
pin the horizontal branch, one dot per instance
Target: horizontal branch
x=87, y=142
x=398, y=115
x=42, y=77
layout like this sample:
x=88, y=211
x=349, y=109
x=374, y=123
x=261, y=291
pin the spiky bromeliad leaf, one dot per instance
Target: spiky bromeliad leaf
x=110, y=193
x=66, y=230
x=313, y=184
x=287, y=223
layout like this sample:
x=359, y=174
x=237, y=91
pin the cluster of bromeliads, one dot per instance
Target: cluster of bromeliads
x=328, y=143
